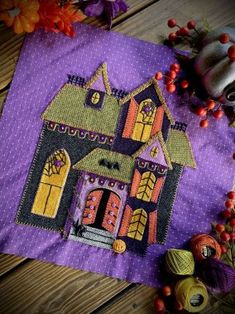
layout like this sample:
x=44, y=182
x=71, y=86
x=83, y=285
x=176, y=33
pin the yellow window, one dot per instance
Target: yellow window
x=154, y=152
x=146, y=186
x=95, y=98
x=51, y=185
x=144, y=121
x=137, y=224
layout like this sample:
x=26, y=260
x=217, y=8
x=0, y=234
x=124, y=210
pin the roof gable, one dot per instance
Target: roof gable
x=146, y=151
x=107, y=163
x=68, y=108
x=100, y=80
x=179, y=148
x=159, y=94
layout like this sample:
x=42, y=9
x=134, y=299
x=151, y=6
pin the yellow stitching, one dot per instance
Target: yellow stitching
x=136, y=92
x=102, y=70
x=150, y=142
x=146, y=145
x=163, y=101
x=170, y=211
x=37, y=226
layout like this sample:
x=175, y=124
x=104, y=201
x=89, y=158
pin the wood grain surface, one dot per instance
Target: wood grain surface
x=28, y=286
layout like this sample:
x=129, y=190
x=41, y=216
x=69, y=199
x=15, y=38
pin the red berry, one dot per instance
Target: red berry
x=219, y=228
x=231, y=195
x=159, y=304
x=223, y=249
x=172, y=36
x=184, y=84
x=171, y=23
x=204, y=123
x=226, y=213
x=231, y=52
x=175, y=67
x=191, y=24
x=166, y=291
x=184, y=31
x=224, y=38
x=225, y=236
x=169, y=81
x=158, y=76
x=201, y=112
x=178, y=33
x=229, y=204
x=232, y=222
x=172, y=74
x=232, y=236
x=170, y=88
x=210, y=104
x=218, y=114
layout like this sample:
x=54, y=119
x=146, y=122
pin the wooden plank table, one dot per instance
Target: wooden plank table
x=30, y=286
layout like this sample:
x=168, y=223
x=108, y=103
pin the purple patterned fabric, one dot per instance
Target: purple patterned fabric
x=42, y=69
x=160, y=158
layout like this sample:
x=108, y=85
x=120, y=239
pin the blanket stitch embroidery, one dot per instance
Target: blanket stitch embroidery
x=118, y=196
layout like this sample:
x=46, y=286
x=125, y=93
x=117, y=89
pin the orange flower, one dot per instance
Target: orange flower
x=58, y=19
x=21, y=15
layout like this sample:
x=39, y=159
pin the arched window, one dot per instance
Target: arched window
x=146, y=186
x=51, y=185
x=144, y=121
x=137, y=224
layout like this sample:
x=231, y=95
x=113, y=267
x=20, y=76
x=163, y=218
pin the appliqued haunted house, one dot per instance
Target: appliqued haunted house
x=107, y=165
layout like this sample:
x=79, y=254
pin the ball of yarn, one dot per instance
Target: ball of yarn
x=217, y=275
x=180, y=262
x=204, y=246
x=191, y=294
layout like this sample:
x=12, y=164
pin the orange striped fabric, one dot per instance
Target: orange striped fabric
x=158, y=120
x=157, y=189
x=111, y=212
x=91, y=207
x=125, y=221
x=130, y=120
x=135, y=183
x=152, y=236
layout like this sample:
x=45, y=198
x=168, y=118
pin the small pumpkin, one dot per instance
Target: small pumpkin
x=21, y=15
x=215, y=68
x=119, y=246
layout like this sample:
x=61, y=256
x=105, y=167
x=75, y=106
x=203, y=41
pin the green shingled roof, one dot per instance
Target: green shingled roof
x=93, y=163
x=179, y=148
x=68, y=108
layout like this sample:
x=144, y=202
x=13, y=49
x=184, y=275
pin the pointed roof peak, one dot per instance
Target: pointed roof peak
x=159, y=93
x=100, y=80
x=157, y=137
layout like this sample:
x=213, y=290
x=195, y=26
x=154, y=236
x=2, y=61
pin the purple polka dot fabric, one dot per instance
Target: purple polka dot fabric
x=45, y=61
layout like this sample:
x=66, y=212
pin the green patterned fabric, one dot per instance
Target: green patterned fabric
x=68, y=108
x=179, y=148
x=93, y=163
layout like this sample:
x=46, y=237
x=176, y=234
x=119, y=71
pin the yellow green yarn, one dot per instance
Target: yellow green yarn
x=189, y=288
x=180, y=262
